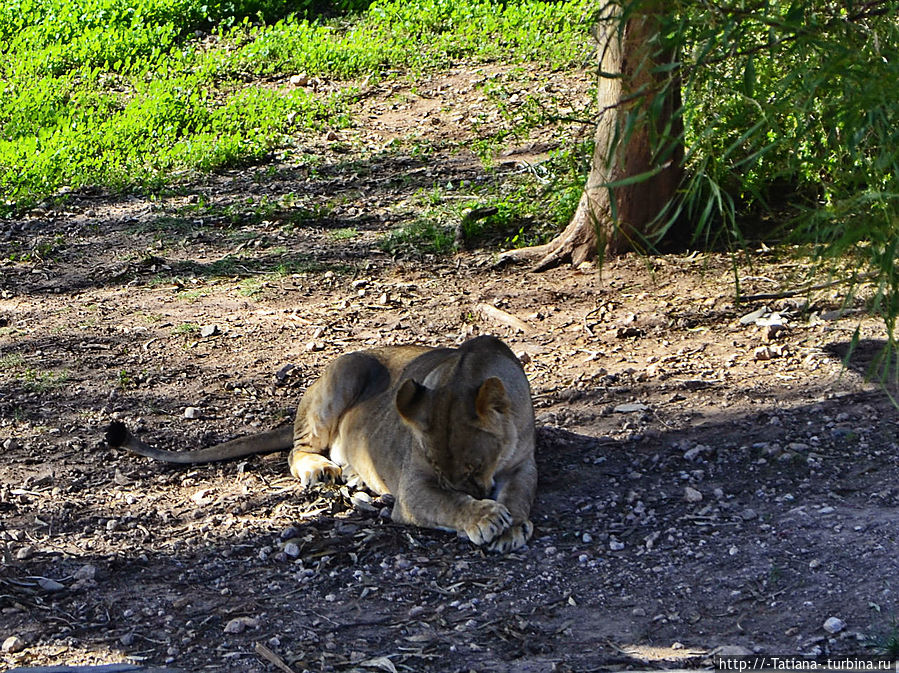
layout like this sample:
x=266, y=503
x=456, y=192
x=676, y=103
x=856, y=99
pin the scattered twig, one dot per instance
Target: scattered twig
x=272, y=658
x=493, y=313
x=786, y=294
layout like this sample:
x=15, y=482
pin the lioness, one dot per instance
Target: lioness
x=449, y=432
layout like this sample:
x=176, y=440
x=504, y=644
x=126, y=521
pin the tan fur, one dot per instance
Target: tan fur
x=449, y=432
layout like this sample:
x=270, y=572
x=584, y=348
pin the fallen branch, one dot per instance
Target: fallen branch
x=493, y=313
x=786, y=294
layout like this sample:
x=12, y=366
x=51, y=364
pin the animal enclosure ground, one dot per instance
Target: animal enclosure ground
x=705, y=482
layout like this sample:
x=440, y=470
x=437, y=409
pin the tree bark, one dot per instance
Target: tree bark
x=630, y=141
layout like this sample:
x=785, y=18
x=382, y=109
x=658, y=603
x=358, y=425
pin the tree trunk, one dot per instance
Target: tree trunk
x=629, y=142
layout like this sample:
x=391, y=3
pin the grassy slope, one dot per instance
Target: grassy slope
x=122, y=94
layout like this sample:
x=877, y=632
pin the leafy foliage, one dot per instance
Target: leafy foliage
x=789, y=110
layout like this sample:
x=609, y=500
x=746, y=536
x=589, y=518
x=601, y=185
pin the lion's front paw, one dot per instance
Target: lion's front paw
x=486, y=520
x=513, y=538
x=312, y=468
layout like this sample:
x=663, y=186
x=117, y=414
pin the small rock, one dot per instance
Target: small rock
x=523, y=357
x=50, y=585
x=285, y=372
x=615, y=545
x=834, y=625
x=25, y=553
x=750, y=318
x=692, y=495
x=630, y=408
x=191, y=412
x=763, y=353
x=290, y=532
x=748, y=514
x=587, y=538
x=300, y=79
x=814, y=564
x=362, y=501
x=209, y=330
x=315, y=346
x=770, y=332
x=13, y=644
x=10, y=444
x=291, y=549
x=86, y=572
x=127, y=639
x=241, y=624
x=694, y=453
x=826, y=510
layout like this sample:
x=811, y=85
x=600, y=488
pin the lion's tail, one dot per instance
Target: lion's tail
x=281, y=438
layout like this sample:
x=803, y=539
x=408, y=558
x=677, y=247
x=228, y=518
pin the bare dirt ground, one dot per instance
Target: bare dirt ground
x=693, y=498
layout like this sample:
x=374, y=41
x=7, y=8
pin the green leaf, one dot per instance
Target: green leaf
x=749, y=78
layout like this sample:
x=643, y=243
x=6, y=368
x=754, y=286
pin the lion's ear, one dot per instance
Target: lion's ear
x=491, y=400
x=412, y=403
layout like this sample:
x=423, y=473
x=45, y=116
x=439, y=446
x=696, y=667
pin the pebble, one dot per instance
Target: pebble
x=10, y=444
x=25, y=553
x=615, y=545
x=86, y=572
x=50, y=585
x=13, y=644
x=834, y=625
x=630, y=408
x=696, y=452
x=750, y=318
x=363, y=501
x=763, y=353
x=301, y=79
x=814, y=563
x=826, y=510
x=692, y=495
x=191, y=412
x=241, y=624
x=291, y=549
x=209, y=330
x=290, y=532
x=748, y=514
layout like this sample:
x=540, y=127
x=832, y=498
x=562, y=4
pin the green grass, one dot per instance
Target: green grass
x=529, y=209
x=140, y=93
x=14, y=368
x=186, y=328
x=343, y=234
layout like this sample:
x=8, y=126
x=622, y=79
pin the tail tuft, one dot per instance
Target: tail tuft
x=117, y=434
